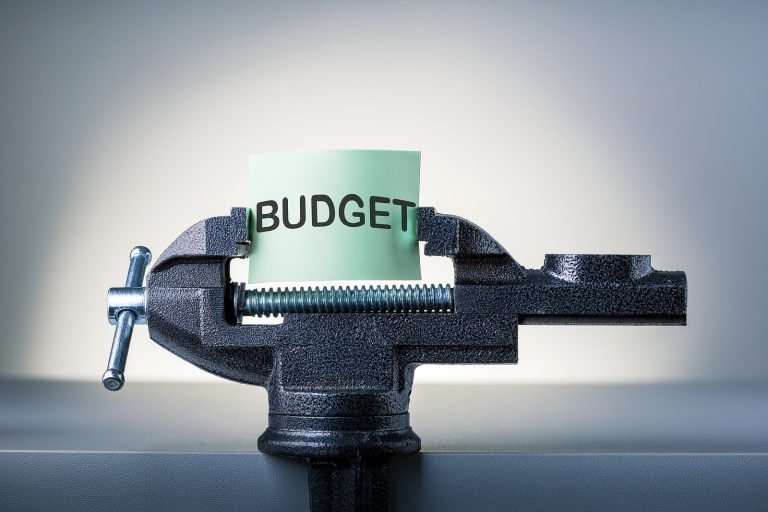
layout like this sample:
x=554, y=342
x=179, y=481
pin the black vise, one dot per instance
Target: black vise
x=339, y=383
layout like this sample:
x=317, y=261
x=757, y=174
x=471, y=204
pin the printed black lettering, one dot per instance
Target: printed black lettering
x=302, y=213
x=315, y=214
x=261, y=215
x=360, y=216
x=404, y=205
x=379, y=213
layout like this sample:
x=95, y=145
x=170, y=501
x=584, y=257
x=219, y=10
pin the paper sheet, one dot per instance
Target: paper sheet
x=334, y=215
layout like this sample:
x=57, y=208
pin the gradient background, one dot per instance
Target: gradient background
x=558, y=127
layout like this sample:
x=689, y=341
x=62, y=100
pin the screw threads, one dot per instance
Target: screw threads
x=365, y=299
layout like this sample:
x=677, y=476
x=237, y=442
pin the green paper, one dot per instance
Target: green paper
x=359, y=222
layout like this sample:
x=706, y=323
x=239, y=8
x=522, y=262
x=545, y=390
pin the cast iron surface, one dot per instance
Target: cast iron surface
x=339, y=384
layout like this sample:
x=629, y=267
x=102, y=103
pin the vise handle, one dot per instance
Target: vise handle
x=132, y=310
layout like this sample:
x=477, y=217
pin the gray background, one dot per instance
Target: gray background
x=573, y=127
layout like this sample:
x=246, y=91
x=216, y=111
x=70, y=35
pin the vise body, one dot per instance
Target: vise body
x=339, y=368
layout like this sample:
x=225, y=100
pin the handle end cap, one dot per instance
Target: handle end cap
x=140, y=250
x=113, y=380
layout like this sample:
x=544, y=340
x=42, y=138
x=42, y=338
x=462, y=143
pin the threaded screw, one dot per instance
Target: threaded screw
x=365, y=299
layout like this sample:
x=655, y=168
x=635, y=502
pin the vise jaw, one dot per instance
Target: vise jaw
x=339, y=382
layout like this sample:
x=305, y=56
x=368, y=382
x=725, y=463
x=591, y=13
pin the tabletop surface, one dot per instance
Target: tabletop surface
x=182, y=417
x=68, y=446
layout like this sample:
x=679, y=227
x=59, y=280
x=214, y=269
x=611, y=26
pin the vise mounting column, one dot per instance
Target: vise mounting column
x=339, y=368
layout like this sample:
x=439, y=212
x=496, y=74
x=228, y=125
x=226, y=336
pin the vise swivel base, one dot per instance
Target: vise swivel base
x=339, y=369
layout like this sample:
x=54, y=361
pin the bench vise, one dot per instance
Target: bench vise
x=339, y=368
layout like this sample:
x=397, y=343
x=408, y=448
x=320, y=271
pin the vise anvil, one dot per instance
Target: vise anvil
x=339, y=368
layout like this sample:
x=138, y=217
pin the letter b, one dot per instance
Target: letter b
x=261, y=215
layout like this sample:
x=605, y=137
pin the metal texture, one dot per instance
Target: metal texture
x=339, y=383
x=365, y=299
x=121, y=299
x=131, y=311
